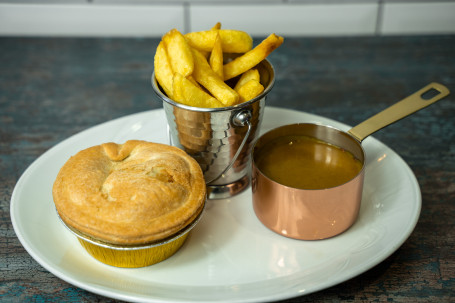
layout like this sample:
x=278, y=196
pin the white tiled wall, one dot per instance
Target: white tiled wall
x=152, y=18
x=289, y=19
x=89, y=20
x=420, y=17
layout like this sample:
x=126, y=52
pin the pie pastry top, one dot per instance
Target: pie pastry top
x=129, y=194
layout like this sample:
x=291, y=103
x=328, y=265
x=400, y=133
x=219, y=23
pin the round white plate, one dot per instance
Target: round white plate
x=230, y=256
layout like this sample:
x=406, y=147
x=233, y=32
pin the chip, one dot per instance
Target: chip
x=217, y=26
x=179, y=51
x=216, y=57
x=205, y=76
x=250, y=90
x=163, y=70
x=251, y=58
x=212, y=68
x=251, y=74
x=186, y=92
x=232, y=41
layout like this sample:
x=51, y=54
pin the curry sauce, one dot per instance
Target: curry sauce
x=306, y=163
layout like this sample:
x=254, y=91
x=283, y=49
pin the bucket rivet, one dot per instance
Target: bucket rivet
x=241, y=118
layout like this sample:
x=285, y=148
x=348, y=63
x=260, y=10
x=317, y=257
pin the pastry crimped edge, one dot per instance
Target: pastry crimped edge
x=84, y=202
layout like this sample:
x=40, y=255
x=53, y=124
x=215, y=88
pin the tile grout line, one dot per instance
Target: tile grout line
x=379, y=18
x=186, y=17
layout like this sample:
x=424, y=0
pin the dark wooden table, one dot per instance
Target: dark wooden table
x=52, y=88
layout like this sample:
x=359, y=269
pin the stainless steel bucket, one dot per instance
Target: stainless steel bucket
x=220, y=139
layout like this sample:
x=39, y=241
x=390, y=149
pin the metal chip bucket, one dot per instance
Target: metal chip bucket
x=220, y=139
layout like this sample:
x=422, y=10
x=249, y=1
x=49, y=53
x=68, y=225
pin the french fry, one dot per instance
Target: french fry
x=216, y=57
x=191, y=78
x=251, y=74
x=205, y=54
x=177, y=88
x=250, y=59
x=163, y=70
x=250, y=90
x=179, y=52
x=232, y=41
x=217, y=26
x=187, y=93
x=205, y=76
x=190, y=68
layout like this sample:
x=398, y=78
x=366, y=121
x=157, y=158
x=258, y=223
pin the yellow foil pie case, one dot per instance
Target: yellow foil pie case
x=133, y=256
x=131, y=204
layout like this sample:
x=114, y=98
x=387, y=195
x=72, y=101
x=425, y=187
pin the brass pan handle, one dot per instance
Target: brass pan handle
x=398, y=111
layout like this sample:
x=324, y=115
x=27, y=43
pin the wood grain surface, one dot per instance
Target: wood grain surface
x=52, y=88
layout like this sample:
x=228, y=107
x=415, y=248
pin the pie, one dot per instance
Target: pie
x=129, y=194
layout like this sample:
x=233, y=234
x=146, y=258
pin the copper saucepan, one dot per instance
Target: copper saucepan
x=311, y=214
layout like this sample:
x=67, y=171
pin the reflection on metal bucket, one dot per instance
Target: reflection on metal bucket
x=220, y=139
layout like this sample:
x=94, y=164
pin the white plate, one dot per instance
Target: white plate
x=230, y=256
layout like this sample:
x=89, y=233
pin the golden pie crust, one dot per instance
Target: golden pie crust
x=129, y=194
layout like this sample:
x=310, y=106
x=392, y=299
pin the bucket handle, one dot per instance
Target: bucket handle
x=240, y=119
